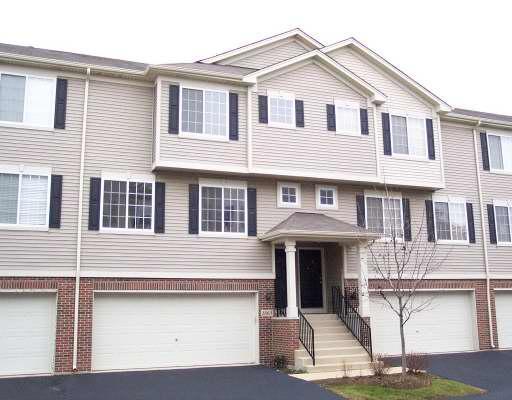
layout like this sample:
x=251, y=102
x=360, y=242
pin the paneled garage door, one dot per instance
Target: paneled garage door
x=447, y=325
x=27, y=333
x=504, y=318
x=145, y=331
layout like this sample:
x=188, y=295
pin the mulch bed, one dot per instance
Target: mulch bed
x=396, y=381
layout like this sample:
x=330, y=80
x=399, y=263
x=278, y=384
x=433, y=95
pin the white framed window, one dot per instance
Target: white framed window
x=503, y=218
x=204, y=113
x=326, y=197
x=27, y=100
x=384, y=214
x=127, y=203
x=500, y=152
x=408, y=136
x=450, y=219
x=222, y=207
x=348, y=117
x=281, y=109
x=288, y=195
x=24, y=197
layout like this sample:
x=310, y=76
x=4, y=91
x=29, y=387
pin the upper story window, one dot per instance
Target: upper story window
x=24, y=197
x=288, y=195
x=384, y=214
x=348, y=118
x=281, y=109
x=27, y=100
x=223, y=207
x=450, y=218
x=503, y=212
x=127, y=204
x=204, y=112
x=326, y=197
x=500, y=152
x=408, y=136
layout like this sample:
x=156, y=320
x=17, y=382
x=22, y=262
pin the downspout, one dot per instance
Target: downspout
x=250, y=92
x=79, y=222
x=484, y=236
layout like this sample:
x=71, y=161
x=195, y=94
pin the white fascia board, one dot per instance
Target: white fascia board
x=376, y=96
x=441, y=105
x=285, y=35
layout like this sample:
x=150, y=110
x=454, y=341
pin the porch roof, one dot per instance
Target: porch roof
x=316, y=226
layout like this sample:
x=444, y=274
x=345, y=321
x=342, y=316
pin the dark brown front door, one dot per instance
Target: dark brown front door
x=311, y=290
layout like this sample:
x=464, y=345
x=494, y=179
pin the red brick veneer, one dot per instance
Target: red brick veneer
x=285, y=338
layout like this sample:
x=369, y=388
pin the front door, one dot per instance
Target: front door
x=311, y=279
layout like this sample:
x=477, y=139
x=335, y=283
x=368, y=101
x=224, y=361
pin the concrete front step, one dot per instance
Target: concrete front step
x=330, y=359
x=323, y=336
x=329, y=351
x=343, y=343
x=348, y=367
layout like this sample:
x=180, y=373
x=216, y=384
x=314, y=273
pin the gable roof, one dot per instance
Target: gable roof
x=442, y=106
x=227, y=71
x=297, y=33
x=376, y=95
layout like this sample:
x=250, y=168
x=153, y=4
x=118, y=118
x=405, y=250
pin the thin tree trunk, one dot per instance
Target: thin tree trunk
x=402, y=337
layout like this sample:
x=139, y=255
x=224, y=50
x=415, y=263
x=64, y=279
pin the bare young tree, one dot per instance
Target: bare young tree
x=401, y=261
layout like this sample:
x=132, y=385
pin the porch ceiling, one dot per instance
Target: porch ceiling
x=316, y=227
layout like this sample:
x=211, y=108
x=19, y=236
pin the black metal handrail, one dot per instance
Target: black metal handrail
x=351, y=318
x=307, y=336
x=280, y=311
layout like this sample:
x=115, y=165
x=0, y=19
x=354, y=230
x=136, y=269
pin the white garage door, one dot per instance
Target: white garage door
x=447, y=325
x=504, y=318
x=27, y=333
x=139, y=331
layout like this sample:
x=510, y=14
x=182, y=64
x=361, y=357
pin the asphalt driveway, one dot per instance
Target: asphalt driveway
x=489, y=370
x=231, y=383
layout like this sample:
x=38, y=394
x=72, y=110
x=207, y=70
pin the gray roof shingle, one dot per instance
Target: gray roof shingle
x=315, y=222
x=214, y=69
x=483, y=115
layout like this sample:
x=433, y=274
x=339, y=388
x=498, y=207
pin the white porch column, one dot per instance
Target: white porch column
x=364, y=296
x=291, y=288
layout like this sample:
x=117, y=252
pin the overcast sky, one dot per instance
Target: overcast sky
x=460, y=50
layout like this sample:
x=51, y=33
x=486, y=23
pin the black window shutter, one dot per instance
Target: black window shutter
x=361, y=214
x=280, y=281
x=485, y=151
x=174, y=109
x=233, y=116
x=61, y=100
x=492, y=224
x=363, y=113
x=193, y=209
x=299, y=113
x=159, y=207
x=429, y=213
x=386, y=133
x=94, y=204
x=252, y=224
x=430, y=140
x=471, y=223
x=331, y=117
x=55, y=201
x=263, y=109
x=406, y=210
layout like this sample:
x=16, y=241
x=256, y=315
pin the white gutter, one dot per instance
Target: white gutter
x=484, y=236
x=79, y=222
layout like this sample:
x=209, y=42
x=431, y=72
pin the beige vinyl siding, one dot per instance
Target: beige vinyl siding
x=267, y=55
x=313, y=148
x=495, y=186
x=399, y=99
x=36, y=253
x=195, y=151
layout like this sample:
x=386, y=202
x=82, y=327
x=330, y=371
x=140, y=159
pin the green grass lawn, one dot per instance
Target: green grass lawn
x=440, y=389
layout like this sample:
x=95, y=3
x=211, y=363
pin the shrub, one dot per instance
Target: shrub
x=280, y=362
x=379, y=366
x=417, y=362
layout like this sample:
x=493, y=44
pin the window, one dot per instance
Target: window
x=204, y=112
x=384, y=215
x=223, y=207
x=500, y=152
x=409, y=136
x=27, y=100
x=503, y=213
x=288, y=195
x=127, y=205
x=326, y=197
x=450, y=219
x=348, y=118
x=24, y=198
x=281, y=109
